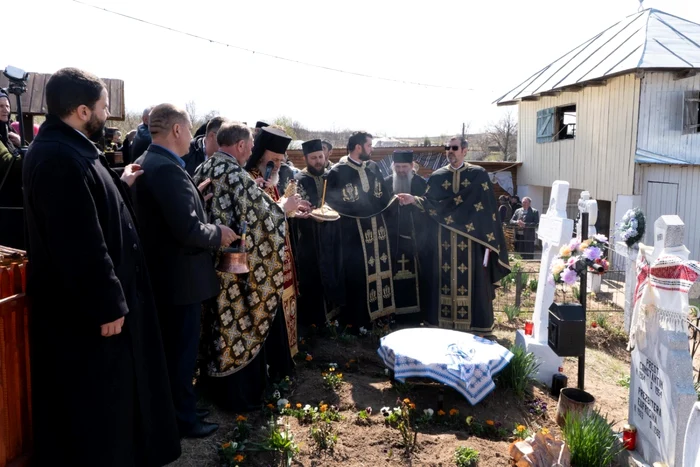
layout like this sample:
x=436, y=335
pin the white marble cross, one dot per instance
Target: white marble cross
x=661, y=383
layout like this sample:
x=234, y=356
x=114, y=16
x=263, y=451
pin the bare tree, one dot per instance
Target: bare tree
x=504, y=135
x=191, y=109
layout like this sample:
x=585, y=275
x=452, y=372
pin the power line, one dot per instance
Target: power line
x=291, y=60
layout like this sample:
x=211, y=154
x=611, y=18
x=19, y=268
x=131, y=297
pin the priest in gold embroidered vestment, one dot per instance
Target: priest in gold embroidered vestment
x=356, y=259
x=471, y=251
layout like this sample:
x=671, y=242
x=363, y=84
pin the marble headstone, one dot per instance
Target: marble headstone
x=554, y=230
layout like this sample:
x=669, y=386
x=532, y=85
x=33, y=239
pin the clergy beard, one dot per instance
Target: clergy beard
x=364, y=156
x=313, y=171
x=402, y=183
x=94, y=128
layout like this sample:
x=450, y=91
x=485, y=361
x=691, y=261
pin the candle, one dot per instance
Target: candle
x=529, y=325
x=323, y=198
x=629, y=437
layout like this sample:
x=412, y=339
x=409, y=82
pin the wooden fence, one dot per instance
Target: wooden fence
x=15, y=382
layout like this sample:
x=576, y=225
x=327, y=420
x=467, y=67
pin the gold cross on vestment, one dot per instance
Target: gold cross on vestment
x=485, y=185
x=478, y=206
x=448, y=220
x=465, y=183
x=446, y=184
x=470, y=227
x=490, y=237
x=458, y=200
x=403, y=262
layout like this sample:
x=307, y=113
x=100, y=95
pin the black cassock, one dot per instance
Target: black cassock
x=96, y=400
x=356, y=258
x=408, y=234
x=462, y=203
x=314, y=306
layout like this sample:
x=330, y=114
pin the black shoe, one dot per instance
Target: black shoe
x=201, y=430
x=201, y=413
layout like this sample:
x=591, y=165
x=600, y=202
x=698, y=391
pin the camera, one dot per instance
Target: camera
x=18, y=79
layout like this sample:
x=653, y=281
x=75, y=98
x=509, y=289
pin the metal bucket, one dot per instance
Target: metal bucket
x=573, y=400
x=233, y=262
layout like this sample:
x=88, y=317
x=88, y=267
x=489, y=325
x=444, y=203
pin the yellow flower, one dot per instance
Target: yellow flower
x=520, y=428
x=565, y=251
x=239, y=457
x=324, y=407
x=331, y=369
x=226, y=445
x=241, y=418
x=558, y=268
x=454, y=412
x=340, y=375
x=298, y=406
x=584, y=245
x=412, y=406
x=324, y=374
x=490, y=422
x=545, y=431
x=309, y=357
x=441, y=412
x=288, y=406
x=407, y=401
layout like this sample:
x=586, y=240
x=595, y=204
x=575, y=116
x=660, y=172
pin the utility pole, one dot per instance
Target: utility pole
x=463, y=128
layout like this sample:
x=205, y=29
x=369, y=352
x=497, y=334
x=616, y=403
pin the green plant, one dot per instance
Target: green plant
x=403, y=389
x=363, y=416
x=324, y=436
x=281, y=441
x=602, y=320
x=624, y=381
x=521, y=432
x=401, y=419
x=519, y=372
x=591, y=439
x=577, y=293
x=466, y=457
x=231, y=453
x=331, y=379
x=511, y=312
x=532, y=285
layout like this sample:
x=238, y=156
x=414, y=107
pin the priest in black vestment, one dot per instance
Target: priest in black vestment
x=471, y=251
x=314, y=306
x=407, y=238
x=356, y=259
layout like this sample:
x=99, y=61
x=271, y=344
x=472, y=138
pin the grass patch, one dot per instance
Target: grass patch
x=591, y=439
x=519, y=373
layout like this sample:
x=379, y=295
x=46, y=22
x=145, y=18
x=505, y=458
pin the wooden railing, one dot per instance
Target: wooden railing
x=15, y=382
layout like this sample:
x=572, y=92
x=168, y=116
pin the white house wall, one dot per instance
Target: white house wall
x=667, y=189
x=661, y=117
x=601, y=157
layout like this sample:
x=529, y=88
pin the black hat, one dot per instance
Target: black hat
x=269, y=139
x=261, y=125
x=310, y=146
x=403, y=156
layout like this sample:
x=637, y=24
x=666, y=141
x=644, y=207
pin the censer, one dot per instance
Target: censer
x=235, y=260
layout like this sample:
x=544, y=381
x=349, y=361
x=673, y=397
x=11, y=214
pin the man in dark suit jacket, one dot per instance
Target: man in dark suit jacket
x=143, y=136
x=178, y=244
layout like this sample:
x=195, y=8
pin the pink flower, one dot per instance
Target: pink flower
x=574, y=244
x=569, y=277
x=592, y=253
x=571, y=261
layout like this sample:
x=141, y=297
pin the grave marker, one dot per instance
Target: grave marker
x=555, y=230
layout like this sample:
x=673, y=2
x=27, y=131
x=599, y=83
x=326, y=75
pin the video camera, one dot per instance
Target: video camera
x=18, y=79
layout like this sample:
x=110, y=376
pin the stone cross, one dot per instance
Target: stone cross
x=661, y=383
x=630, y=255
x=586, y=204
x=554, y=230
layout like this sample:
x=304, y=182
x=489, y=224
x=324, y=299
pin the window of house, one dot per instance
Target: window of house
x=691, y=112
x=556, y=123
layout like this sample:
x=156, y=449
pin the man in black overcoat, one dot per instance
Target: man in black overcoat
x=100, y=393
x=179, y=246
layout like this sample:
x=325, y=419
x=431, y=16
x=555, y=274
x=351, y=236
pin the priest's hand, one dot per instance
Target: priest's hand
x=14, y=139
x=113, y=328
x=262, y=183
x=405, y=198
x=228, y=236
x=305, y=206
x=302, y=214
x=131, y=173
x=292, y=203
x=203, y=186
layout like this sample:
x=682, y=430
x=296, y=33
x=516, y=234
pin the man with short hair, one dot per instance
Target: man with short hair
x=356, y=256
x=327, y=152
x=244, y=328
x=472, y=256
x=314, y=307
x=525, y=219
x=100, y=393
x=408, y=229
x=143, y=137
x=178, y=243
x=11, y=213
x=203, y=146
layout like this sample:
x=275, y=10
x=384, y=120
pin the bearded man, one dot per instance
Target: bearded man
x=315, y=308
x=408, y=232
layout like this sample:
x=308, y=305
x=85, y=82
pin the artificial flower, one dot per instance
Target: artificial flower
x=569, y=277
x=574, y=244
x=565, y=251
x=592, y=253
x=600, y=238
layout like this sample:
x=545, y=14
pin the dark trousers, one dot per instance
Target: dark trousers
x=180, y=326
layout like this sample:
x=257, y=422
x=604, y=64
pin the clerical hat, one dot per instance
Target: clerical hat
x=310, y=146
x=269, y=139
x=403, y=156
x=261, y=124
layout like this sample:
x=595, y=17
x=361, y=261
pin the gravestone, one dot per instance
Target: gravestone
x=554, y=231
x=661, y=384
x=630, y=255
x=586, y=204
x=691, y=451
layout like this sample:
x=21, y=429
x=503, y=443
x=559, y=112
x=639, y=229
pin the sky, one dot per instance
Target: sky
x=470, y=52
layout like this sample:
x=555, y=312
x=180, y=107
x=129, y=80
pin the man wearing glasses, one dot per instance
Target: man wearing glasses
x=471, y=251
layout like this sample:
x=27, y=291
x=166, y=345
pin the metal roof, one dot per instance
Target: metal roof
x=650, y=39
x=642, y=156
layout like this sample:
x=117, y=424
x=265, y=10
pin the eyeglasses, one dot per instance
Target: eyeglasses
x=454, y=148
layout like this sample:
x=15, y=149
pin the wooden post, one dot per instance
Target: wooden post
x=582, y=299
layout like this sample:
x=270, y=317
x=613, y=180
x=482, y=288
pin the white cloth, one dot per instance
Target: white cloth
x=458, y=359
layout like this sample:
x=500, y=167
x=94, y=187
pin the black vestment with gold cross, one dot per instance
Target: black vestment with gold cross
x=356, y=258
x=462, y=202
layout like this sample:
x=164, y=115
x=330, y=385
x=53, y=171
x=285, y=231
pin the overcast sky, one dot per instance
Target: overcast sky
x=481, y=49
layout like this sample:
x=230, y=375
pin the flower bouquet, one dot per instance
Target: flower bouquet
x=579, y=257
x=631, y=227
